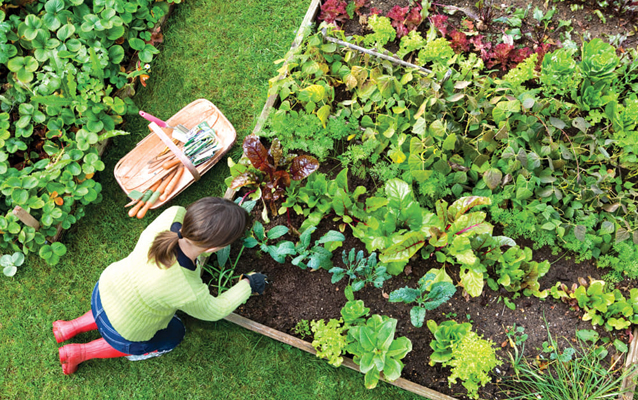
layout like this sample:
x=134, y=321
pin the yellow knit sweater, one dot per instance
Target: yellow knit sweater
x=140, y=298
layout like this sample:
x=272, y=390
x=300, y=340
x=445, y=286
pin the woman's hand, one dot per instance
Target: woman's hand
x=257, y=282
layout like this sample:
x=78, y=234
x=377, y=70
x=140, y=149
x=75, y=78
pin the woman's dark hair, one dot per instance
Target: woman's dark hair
x=209, y=222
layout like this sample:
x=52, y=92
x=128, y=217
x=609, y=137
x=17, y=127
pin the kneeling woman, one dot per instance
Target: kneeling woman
x=134, y=302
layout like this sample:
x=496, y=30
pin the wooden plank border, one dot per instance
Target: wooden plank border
x=305, y=346
x=629, y=383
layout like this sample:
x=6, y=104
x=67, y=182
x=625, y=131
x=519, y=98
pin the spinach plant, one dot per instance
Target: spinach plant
x=318, y=256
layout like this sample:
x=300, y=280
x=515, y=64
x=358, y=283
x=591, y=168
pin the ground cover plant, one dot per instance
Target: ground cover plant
x=61, y=66
x=491, y=178
x=233, y=358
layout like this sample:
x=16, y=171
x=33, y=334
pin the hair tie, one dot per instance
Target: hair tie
x=179, y=235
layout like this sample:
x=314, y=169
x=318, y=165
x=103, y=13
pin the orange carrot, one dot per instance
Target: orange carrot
x=171, y=186
x=170, y=164
x=156, y=195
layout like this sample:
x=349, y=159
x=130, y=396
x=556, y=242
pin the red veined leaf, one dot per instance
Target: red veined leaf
x=282, y=179
x=303, y=166
x=256, y=153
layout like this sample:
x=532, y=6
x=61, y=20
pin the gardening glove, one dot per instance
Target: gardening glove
x=257, y=282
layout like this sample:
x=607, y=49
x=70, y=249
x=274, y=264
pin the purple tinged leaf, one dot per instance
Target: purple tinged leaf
x=579, y=232
x=492, y=178
x=303, y=166
x=276, y=152
x=256, y=153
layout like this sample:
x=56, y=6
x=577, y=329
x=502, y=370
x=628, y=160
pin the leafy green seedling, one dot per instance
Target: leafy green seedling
x=435, y=288
x=11, y=263
x=376, y=351
x=318, y=256
x=279, y=251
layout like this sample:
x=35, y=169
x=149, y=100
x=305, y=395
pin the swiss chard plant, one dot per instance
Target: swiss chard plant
x=434, y=289
x=269, y=170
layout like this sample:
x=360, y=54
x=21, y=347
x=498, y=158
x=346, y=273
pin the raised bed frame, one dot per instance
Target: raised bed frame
x=632, y=356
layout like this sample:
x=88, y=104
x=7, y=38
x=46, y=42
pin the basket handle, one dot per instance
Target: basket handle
x=178, y=153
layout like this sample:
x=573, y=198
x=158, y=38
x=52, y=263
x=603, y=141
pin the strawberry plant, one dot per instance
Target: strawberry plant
x=63, y=63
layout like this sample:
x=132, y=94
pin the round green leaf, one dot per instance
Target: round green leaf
x=65, y=32
x=58, y=249
x=116, y=54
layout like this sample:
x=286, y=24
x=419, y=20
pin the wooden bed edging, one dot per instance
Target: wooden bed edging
x=303, y=345
x=629, y=383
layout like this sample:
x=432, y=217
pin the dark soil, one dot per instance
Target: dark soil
x=295, y=294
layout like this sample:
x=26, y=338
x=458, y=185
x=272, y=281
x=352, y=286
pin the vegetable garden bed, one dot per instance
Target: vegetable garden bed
x=320, y=81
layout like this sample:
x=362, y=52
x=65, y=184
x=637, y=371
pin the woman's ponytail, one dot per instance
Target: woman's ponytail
x=163, y=249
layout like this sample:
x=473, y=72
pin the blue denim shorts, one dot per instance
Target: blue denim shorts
x=165, y=339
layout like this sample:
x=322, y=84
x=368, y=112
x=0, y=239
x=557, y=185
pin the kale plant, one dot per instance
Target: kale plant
x=435, y=288
x=360, y=270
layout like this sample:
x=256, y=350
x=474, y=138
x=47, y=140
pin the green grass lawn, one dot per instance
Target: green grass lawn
x=222, y=51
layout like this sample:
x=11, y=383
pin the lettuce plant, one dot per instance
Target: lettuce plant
x=517, y=271
x=330, y=340
x=434, y=289
x=376, y=350
x=445, y=336
x=473, y=358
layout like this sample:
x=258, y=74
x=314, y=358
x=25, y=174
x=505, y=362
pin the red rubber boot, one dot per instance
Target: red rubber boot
x=65, y=330
x=71, y=355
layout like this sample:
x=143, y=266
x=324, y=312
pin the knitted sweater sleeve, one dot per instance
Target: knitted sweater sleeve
x=210, y=308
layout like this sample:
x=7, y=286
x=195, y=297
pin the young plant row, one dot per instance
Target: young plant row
x=553, y=149
x=60, y=65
